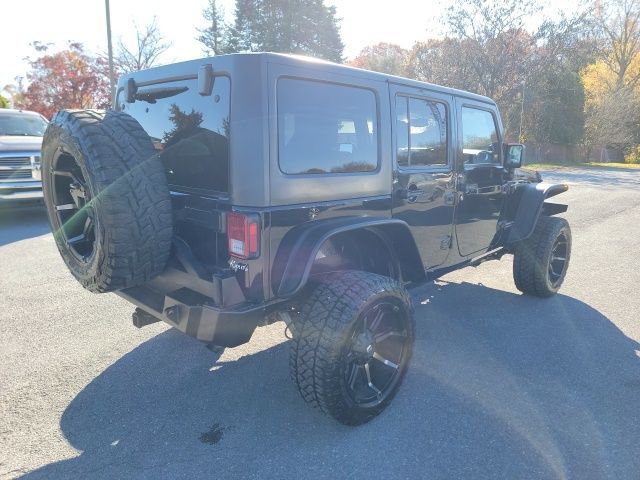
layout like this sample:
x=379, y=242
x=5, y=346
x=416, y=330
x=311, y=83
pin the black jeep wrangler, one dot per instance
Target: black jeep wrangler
x=227, y=193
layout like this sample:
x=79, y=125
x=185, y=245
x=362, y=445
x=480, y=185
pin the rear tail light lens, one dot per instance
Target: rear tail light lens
x=243, y=233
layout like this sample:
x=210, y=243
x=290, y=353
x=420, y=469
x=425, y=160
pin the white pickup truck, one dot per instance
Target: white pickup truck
x=21, y=134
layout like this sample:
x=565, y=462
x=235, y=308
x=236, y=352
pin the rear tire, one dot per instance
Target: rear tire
x=540, y=262
x=352, y=344
x=107, y=199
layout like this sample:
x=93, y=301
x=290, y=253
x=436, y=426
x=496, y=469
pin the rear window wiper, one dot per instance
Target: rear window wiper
x=150, y=95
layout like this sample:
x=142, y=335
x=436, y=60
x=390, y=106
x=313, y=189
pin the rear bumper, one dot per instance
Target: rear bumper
x=183, y=309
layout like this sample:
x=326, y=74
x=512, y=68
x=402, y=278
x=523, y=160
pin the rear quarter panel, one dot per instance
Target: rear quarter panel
x=296, y=199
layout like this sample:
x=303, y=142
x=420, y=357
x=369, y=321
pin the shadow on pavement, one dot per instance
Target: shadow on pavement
x=501, y=386
x=21, y=223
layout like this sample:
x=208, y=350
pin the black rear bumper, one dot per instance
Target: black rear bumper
x=223, y=326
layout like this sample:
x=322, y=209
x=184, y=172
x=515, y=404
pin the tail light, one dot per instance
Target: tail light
x=243, y=232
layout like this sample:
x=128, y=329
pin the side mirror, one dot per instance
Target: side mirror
x=513, y=153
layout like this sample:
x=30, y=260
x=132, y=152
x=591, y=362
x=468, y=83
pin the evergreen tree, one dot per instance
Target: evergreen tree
x=305, y=27
x=214, y=36
x=241, y=37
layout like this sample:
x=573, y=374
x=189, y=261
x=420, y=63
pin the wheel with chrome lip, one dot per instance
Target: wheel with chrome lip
x=352, y=345
x=540, y=262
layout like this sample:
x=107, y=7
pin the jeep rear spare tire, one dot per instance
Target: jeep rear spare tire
x=107, y=199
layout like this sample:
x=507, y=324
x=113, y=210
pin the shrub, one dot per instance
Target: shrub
x=633, y=155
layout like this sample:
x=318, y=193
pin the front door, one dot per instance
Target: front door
x=423, y=181
x=482, y=175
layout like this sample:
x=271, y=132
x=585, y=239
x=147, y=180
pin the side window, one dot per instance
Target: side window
x=326, y=128
x=421, y=132
x=479, y=137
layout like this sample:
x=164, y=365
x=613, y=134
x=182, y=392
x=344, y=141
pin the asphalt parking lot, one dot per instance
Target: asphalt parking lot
x=500, y=386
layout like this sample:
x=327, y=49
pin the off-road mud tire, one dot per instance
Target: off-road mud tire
x=323, y=330
x=532, y=257
x=129, y=197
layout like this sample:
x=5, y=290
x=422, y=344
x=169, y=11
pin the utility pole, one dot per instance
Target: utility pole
x=521, y=112
x=110, y=51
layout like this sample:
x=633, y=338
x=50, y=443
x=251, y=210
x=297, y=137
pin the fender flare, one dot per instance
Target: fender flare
x=531, y=206
x=299, y=247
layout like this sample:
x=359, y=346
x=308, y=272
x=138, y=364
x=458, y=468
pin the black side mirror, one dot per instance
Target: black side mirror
x=513, y=153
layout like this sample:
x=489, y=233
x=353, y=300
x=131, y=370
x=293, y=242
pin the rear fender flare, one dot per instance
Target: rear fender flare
x=531, y=206
x=299, y=248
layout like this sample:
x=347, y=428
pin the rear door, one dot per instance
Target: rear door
x=423, y=179
x=482, y=175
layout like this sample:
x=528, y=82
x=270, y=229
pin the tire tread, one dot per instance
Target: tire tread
x=530, y=257
x=321, y=329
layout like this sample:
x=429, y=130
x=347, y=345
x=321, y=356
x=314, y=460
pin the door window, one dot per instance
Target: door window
x=421, y=132
x=480, y=137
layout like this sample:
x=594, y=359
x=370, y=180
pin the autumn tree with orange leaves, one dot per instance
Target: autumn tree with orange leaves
x=70, y=78
x=382, y=57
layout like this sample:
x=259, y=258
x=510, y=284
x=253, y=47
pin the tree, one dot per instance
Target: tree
x=613, y=121
x=619, y=24
x=382, y=57
x=149, y=46
x=242, y=36
x=554, y=108
x=4, y=103
x=554, y=94
x=444, y=62
x=306, y=27
x=70, y=78
x=612, y=82
x=214, y=36
x=495, y=40
x=612, y=113
x=490, y=52
x=16, y=92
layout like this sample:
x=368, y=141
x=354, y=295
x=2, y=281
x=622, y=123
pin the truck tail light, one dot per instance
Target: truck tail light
x=243, y=233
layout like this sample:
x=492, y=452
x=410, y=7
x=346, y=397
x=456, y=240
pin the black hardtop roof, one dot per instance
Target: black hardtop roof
x=191, y=66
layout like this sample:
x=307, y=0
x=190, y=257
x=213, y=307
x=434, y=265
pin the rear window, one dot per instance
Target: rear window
x=190, y=131
x=326, y=128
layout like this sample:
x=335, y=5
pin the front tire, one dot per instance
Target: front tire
x=541, y=261
x=352, y=345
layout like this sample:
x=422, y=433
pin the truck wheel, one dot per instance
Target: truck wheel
x=107, y=199
x=540, y=262
x=352, y=345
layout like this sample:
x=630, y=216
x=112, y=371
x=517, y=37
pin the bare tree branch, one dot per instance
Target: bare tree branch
x=149, y=46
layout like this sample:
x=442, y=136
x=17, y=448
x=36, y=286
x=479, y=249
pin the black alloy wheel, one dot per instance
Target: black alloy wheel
x=558, y=260
x=378, y=352
x=71, y=198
